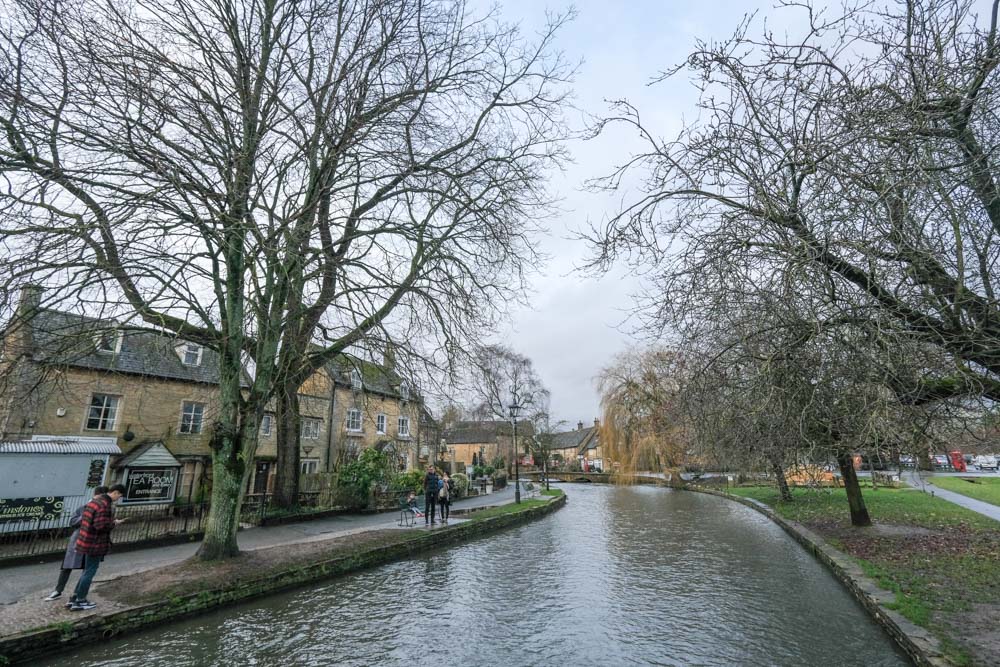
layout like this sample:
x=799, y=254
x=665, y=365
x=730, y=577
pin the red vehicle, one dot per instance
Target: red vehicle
x=957, y=460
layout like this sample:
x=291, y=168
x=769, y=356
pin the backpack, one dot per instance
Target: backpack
x=443, y=491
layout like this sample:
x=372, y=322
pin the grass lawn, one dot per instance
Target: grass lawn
x=986, y=489
x=505, y=509
x=942, y=561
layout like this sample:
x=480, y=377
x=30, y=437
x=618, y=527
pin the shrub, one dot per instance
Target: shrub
x=489, y=470
x=357, y=478
x=478, y=471
x=500, y=480
x=461, y=481
x=413, y=480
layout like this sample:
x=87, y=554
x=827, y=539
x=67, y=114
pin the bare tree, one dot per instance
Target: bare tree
x=262, y=177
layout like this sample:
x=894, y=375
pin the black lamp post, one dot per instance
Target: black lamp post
x=514, y=407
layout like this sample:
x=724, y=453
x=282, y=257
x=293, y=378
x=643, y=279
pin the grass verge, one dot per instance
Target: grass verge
x=941, y=560
x=986, y=489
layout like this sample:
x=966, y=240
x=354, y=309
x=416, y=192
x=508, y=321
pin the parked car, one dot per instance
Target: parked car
x=873, y=462
x=941, y=461
x=986, y=462
x=907, y=461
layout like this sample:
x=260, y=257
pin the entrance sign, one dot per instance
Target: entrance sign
x=150, y=485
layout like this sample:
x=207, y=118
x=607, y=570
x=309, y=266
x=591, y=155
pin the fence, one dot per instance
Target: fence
x=36, y=537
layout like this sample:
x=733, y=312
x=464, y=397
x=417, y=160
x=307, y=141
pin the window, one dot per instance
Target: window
x=404, y=426
x=310, y=428
x=192, y=415
x=356, y=378
x=309, y=466
x=380, y=424
x=404, y=390
x=190, y=354
x=354, y=420
x=103, y=413
x=265, y=424
x=107, y=342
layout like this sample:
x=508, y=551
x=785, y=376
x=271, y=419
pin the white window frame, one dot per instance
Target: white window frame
x=308, y=466
x=116, y=347
x=191, y=425
x=404, y=390
x=268, y=419
x=314, y=427
x=353, y=416
x=403, y=426
x=380, y=423
x=111, y=425
x=357, y=382
x=186, y=348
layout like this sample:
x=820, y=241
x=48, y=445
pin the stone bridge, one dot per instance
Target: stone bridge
x=594, y=478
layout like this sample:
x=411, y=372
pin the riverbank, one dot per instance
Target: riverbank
x=936, y=563
x=189, y=588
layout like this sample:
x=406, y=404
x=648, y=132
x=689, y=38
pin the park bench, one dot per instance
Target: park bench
x=531, y=490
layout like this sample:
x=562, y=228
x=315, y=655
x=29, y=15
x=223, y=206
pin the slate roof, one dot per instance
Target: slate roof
x=580, y=439
x=474, y=432
x=69, y=339
x=375, y=378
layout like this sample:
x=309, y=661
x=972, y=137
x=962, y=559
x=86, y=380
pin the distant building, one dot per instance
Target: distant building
x=482, y=442
x=581, y=446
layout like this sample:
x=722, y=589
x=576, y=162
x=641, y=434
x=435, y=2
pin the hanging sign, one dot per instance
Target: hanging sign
x=150, y=485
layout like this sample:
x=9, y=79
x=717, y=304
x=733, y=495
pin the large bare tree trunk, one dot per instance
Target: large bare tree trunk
x=859, y=513
x=286, y=483
x=779, y=476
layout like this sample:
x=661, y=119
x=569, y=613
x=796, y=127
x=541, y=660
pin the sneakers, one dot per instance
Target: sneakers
x=54, y=595
x=82, y=605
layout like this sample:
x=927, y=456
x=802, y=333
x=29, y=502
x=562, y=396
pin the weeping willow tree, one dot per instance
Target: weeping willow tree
x=642, y=427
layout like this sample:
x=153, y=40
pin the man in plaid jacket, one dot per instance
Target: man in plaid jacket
x=94, y=541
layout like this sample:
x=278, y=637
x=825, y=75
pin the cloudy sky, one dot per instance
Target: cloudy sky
x=577, y=322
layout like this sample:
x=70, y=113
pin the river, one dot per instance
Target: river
x=620, y=576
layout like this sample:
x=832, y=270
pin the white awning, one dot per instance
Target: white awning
x=51, y=444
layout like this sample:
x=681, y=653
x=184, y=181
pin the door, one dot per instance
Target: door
x=260, y=476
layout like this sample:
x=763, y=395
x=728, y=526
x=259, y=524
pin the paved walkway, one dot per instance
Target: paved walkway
x=22, y=581
x=917, y=481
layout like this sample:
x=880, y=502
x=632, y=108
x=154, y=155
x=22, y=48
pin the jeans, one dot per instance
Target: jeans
x=430, y=501
x=90, y=565
x=445, y=508
x=63, y=578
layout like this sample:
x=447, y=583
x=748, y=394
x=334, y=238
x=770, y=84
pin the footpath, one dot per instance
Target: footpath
x=22, y=587
x=914, y=479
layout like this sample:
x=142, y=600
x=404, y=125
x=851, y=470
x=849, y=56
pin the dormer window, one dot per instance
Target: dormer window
x=190, y=354
x=356, y=378
x=404, y=390
x=108, y=342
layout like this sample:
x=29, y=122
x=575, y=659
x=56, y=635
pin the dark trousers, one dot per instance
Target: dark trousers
x=63, y=579
x=430, y=501
x=445, y=509
x=90, y=565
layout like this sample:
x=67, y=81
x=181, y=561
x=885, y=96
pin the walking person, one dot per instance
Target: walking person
x=430, y=495
x=444, y=497
x=73, y=560
x=94, y=541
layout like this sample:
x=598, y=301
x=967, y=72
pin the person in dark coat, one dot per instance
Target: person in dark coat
x=430, y=495
x=72, y=560
x=94, y=541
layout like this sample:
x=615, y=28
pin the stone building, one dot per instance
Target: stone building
x=579, y=445
x=482, y=442
x=63, y=374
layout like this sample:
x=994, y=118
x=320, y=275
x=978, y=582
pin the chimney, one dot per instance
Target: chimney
x=389, y=357
x=579, y=426
x=597, y=422
x=27, y=308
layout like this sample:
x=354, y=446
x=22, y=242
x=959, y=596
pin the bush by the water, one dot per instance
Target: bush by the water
x=413, y=481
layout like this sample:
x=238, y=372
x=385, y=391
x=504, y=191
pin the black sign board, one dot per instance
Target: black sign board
x=23, y=509
x=150, y=485
x=96, y=473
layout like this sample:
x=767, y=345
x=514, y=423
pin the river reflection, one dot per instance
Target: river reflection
x=620, y=576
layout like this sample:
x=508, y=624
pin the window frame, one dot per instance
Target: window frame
x=311, y=463
x=348, y=421
x=185, y=348
x=201, y=418
x=381, y=423
x=400, y=421
x=116, y=412
x=404, y=390
x=357, y=381
x=116, y=342
x=269, y=419
x=303, y=435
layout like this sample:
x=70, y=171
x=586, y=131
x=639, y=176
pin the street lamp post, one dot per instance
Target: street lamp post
x=514, y=407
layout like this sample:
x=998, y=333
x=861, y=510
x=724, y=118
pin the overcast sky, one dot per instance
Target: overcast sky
x=577, y=323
